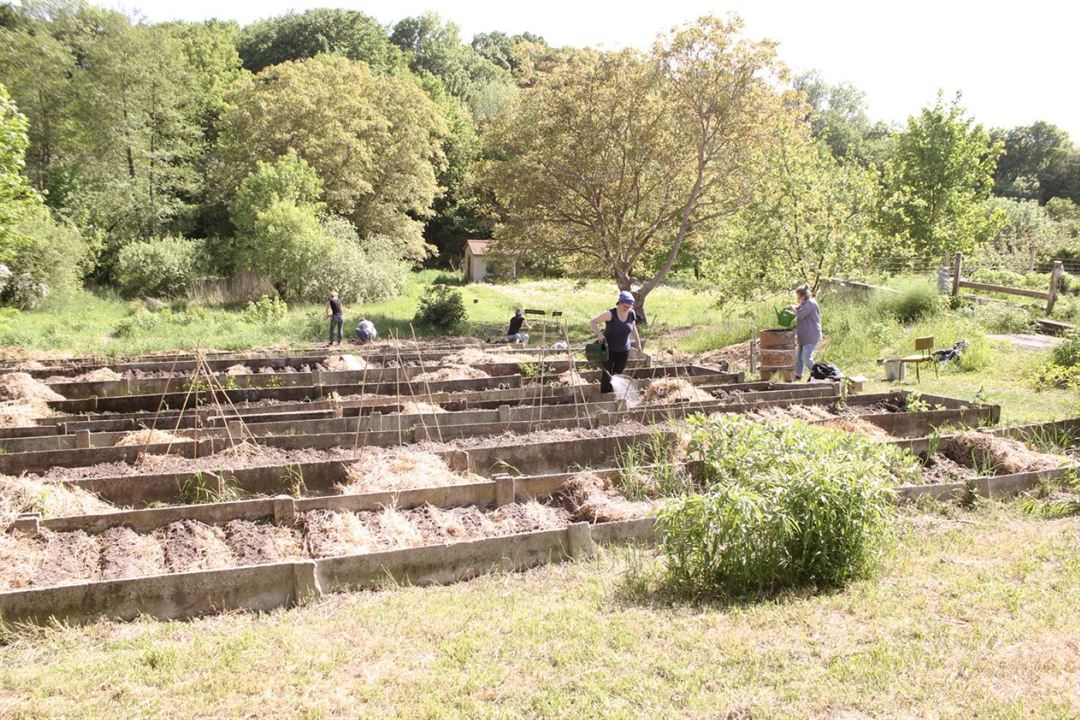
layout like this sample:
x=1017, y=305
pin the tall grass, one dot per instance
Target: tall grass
x=783, y=506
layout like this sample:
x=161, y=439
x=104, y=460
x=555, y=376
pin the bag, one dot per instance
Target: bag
x=825, y=371
x=596, y=352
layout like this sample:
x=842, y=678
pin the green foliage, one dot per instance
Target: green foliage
x=1006, y=318
x=782, y=506
x=359, y=271
x=374, y=141
x=322, y=30
x=915, y=301
x=936, y=182
x=1067, y=353
x=48, y=257
x=163, y=267
x=1062, y=368
x=441, y=307
x=265, y=310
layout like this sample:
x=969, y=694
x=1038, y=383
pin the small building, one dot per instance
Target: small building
x=476, y=260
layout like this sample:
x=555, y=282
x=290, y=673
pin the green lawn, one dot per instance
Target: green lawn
x=974, y=615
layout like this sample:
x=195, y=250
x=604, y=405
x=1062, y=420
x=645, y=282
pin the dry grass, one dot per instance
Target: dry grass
x=571, y=378
x=421, y=408
x=669, y=390
x=146, y=436
x=393, y=530
x=331, y=533
x=593, y=500
x=473, y=356
x=23, y=400
x=23, y=494
x=344, y=363
x=238, y=370
x=102, y=374
x=393, y=469
x=1004, y=456
x=451, y=372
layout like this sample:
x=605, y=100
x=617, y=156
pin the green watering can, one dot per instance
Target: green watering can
x=785, y=318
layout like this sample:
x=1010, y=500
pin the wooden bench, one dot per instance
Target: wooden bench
x=923, y=346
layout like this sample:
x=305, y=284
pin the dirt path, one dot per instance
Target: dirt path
x=1030, y=342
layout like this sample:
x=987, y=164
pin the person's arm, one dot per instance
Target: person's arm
x=637, y=338
x=595, y=324
x=327, y=308
x=803, y=310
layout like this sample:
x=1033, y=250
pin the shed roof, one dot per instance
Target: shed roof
x=478, y=247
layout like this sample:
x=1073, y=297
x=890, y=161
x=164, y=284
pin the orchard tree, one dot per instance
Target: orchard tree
x=810, y=217
x=613, y=158
x=374, y=141
x=936, y=184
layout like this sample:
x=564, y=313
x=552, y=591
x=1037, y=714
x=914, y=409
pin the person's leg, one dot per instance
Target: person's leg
x=619, y=360
x=330, y=340
x=523, y=338
x=606, y=373
x=804, y=359
x=799, y=361
x=336, y=324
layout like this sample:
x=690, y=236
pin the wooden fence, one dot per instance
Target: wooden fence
x=1050, y=295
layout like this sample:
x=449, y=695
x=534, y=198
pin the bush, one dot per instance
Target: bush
x=359, y=271
x=1067, y=354
x=914, y=301
x=265, y=310
x=782, y=506
x=1006, y=318
x=45, y=257
x=158, y=268
x=441, y=307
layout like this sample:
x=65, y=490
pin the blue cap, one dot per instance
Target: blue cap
x=626, y=297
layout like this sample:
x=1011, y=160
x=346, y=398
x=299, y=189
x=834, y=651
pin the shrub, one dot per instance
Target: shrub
x=441, y=307
x=1006, y=318
x=163, y=267
x=265, y=310
x=781, y=506
x=359, y=271
x=914, y=302
x=44, y=257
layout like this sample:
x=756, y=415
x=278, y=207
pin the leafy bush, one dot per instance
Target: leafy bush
x=1067, y=354
x=441, y=307
x=359, y=271
x=265, y=310
x=1006, y=318
x=43, y=256
x=914, y=301
x=164, y=267
x=1062, y=369
x=782, y=506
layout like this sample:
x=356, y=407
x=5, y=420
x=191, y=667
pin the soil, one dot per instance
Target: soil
x=857, y=425
x=940, y=468
x=421, y=408
x=238, y=370
x=451, y=372
x=343, y=363
x=473, y=356
x=258, y=543
x=1003, y=456
x=570, y=378
x=20, y=558
x=669, y=390
x=147, y=436
x=126, y=553
x=68, y=557
x=391, y=469
x=192, y=545
x=25, y=494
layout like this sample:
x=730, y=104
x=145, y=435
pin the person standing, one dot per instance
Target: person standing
x=620, y=323
x=807, y=329
x=336, y=312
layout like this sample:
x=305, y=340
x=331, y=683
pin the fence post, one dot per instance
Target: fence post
x=1055, y=280
x=958, y=262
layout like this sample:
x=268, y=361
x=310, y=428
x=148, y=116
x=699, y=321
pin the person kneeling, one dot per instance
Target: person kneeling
x=514, y=332
x=365, y=331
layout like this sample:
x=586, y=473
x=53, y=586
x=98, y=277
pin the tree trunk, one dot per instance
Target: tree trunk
x=639, y=306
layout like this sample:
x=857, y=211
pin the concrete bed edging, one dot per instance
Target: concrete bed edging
x=271, y=586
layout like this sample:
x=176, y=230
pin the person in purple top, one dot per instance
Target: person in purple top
x=620, y=323
x=807, y=329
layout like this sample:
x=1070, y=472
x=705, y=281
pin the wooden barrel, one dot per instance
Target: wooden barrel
x=777, y=348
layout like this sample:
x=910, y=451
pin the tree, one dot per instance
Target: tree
x=1027, y=231
x=17, y=198
x=1030, y=155
x=809, y=219
x=613, y=157
x=300, y=36
x=936, y=182
x=374, y=141
x=837, y=114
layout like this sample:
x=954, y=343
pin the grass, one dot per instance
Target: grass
x=88, y=323
x=973, y=616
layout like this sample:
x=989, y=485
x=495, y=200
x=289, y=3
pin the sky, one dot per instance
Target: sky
x=1011, y=62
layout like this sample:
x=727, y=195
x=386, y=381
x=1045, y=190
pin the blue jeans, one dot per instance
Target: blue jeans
x=804, y=358
x=336, y=321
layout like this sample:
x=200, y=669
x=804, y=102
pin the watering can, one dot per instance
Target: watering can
x=785, y=318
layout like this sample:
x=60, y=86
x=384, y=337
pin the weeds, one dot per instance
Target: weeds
x=294, y=481
x=1057, y=507
x=200, y=488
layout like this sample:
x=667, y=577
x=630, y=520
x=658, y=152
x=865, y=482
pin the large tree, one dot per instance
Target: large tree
x=1032, y=155
x=615, y=157
x=810, y=218
x=936, y=184
x=375, y=141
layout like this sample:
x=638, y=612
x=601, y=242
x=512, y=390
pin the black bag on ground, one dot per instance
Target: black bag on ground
x=825, y=371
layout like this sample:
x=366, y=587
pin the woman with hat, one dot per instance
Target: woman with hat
x=620, y=322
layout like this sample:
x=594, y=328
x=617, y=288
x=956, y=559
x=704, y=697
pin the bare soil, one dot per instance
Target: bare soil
x=940, y=468
x=192, y=545
x=126, y=553
x=68, y=557
x=258, y=543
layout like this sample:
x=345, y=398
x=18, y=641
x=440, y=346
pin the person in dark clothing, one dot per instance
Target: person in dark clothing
x=620, y=323
x=336, y=312
x=513, y=332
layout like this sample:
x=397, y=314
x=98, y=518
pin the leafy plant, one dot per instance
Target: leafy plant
x=781, y=506
x=265, y=310
x=441, y=307
x=163, y=267
x=914, y=302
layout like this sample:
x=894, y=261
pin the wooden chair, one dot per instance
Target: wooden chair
x=923, y=348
